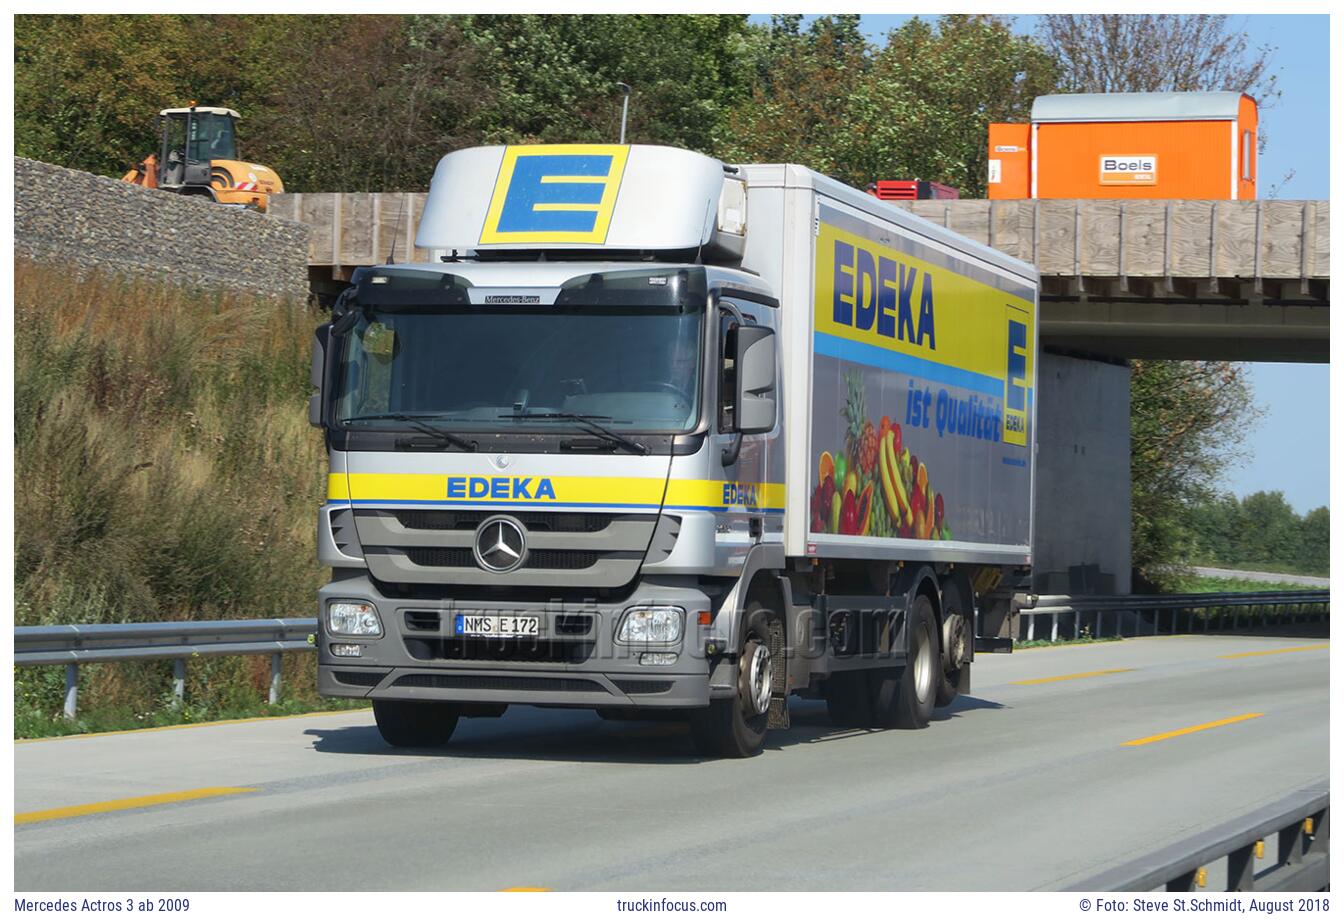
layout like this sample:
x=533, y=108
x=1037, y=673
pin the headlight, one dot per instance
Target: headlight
x=347, y=618
x=651, y=624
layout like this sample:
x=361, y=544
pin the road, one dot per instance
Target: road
x=1027, y=783
x=1307, y=581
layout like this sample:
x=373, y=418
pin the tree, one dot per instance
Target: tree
x=1156, y=53
x=1187, y=419
x=388, y=97
x=556, y=76
x=918, y=107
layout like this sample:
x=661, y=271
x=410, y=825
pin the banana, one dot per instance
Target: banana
x=889, y=447
x=887, y=474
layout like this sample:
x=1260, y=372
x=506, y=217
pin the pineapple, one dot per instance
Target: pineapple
x=860, y=436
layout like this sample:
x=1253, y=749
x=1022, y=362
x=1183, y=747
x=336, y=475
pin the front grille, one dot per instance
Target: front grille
x=459, y=558
x=499, y=650
x=494, y=682
x=429, y=620
x=552, y=522
x=357, y=678
x=573, y=624
x=637, y=687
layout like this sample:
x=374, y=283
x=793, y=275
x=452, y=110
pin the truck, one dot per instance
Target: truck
x=664, y=437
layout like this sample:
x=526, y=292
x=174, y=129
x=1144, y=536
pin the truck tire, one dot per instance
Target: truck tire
x=736, y=727
x=904, y=697
x=848, y=700
x=404, y=724
x=950, y=679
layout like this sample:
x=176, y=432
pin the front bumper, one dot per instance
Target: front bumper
x=574, y=662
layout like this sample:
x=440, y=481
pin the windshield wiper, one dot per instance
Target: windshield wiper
x=589, y=422
x=419, y=423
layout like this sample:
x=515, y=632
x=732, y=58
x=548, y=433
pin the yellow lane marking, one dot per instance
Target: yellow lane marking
x=1193, y=728
x=524, y=889
x=1279, y=651
x=166, y=728
x=1051, y=680
x=140, y=801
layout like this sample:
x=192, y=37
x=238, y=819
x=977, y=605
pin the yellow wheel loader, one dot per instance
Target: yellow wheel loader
x=198, y=155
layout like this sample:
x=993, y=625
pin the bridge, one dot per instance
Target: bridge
x=1224, y=280
x=1228, y=280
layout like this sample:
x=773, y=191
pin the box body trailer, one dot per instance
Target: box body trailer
x=660, y=434
x=1129, y=145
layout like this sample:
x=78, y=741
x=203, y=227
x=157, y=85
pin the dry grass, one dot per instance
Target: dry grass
x=164, y=469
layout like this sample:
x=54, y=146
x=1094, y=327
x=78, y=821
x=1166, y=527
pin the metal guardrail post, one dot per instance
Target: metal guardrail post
x=71, y=689
x=275, y=679
x=179, y=680
x=1054, y=627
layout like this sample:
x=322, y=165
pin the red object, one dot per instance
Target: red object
x=911, y=190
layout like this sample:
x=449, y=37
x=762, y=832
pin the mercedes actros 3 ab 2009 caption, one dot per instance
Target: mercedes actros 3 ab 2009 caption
x=655, y=433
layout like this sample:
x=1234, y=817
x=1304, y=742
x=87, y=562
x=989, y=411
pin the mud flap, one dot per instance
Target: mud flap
x=779, y=678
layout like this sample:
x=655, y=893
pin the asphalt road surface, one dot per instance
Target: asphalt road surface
x=1030, y=782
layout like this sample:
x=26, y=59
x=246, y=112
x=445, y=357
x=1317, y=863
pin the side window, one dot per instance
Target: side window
x=727, y=370
x=1247, y=155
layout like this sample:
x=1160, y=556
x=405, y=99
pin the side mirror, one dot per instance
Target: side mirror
x=317, y=374
x=755, y=364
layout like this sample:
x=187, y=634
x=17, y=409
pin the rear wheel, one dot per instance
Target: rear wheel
x=956, y=633
x=904, y=697
x=404, y=724
x=736, y=727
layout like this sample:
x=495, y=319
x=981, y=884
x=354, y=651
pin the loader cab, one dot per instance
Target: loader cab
x=190, y=139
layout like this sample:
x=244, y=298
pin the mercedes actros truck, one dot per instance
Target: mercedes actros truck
x=657, y=435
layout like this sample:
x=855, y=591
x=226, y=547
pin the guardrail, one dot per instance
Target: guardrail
x=1257, y=608
x=74, y=645
x=1299, y=823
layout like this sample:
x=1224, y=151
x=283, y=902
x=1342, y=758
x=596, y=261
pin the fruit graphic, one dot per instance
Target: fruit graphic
x=867, y=448
x=856, y=413
x=849, y=515
x=826, y=466
x=865, y=511
x=874, y=485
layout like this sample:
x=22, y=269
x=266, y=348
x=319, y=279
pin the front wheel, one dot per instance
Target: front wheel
x=404, y=724
x=736, y=727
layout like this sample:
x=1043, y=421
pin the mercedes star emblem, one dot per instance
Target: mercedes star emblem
x=500, y=545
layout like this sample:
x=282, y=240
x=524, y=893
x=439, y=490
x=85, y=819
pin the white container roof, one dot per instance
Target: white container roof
x=1136, y=107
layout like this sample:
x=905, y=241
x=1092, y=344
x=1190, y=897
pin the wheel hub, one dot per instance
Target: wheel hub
x=923, y=665
x=755, y=680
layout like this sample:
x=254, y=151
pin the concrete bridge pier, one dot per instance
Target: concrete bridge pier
x=1082, y=477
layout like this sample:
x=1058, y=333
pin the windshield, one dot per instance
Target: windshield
x=511, y=368
x=212, y=137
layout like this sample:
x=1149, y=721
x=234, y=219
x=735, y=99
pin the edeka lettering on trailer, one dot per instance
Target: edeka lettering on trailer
x=555, y=194
x=872, y=291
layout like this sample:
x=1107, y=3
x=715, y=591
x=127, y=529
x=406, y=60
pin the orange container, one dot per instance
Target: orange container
x=1137, y=145
x=1009, y=161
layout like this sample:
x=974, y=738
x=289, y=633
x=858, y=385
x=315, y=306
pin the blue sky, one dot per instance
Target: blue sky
x=1289, y=450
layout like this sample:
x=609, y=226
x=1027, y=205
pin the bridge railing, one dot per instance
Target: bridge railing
x=1299, y=825
x=1132, y=614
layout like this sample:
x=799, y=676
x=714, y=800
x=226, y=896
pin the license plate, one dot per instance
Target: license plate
x=477, y=624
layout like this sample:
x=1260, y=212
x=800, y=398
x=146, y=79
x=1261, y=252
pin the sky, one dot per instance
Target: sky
x=1289, y=450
